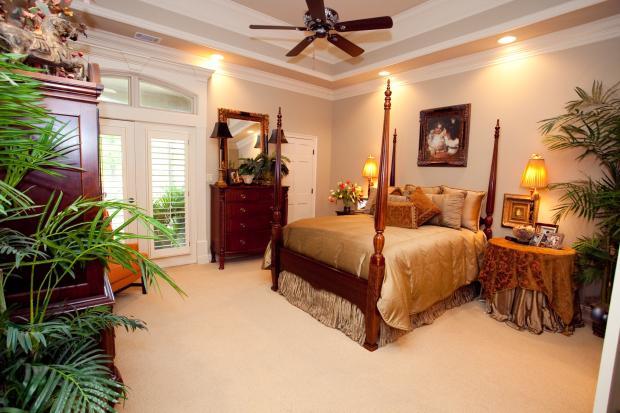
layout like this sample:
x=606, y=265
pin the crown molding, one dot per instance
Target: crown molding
x=137, y=54
x=473, y=36
x=589, y=33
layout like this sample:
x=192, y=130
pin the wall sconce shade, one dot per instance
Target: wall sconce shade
x=221, y=131
x=273, y=138
x=535, y=174
x=371, y=168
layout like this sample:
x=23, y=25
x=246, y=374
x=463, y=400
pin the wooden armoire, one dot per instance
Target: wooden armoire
x=73, y=103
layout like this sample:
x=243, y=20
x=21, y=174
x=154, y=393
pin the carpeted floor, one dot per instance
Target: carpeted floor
x=235, y=346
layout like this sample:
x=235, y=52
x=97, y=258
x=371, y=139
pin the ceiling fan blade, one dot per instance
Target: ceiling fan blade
x=373, y=23
x=301, y=46
x=316, y=8
x=342, y=43
x=262, y=26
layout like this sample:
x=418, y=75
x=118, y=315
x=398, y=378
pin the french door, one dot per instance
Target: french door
x=148, y=164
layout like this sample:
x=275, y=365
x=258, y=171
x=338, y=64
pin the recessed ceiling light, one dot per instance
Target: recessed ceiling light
x=384, y=73
x=217, y=57
x=506, y=39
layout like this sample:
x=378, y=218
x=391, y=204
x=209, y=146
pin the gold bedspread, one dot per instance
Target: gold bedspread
x=422, y=266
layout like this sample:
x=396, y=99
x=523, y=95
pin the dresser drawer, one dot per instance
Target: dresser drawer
x=256, y=223
x=249, y=195
x=247, y=241
x=248, y=211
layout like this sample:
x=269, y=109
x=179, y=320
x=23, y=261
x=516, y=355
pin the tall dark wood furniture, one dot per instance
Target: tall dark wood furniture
x=241, y=220
x=74, y=103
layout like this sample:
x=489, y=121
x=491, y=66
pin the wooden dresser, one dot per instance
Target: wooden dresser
x=241, y=220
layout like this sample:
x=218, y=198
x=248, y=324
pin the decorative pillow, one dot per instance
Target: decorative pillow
x=401, y=214
x=372, y=201
x=451, y=206
x=425, y=209
x=397, y=198
x=372, y=198
x=409, y=188
x=472, y=207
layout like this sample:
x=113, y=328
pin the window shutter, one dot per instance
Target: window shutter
x=169, y=189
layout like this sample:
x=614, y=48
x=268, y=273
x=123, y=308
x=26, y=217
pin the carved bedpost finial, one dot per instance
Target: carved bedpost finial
x=388, y=100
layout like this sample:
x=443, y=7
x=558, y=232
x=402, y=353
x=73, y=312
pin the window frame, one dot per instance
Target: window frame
x=134, y=92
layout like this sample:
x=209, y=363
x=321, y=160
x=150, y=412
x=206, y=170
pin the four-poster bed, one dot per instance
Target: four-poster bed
x=356, y=287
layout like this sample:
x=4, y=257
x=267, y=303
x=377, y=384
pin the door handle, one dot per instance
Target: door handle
x=131, y=200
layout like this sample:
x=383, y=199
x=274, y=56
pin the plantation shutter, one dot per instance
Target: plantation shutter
x=111, y=158
x=169, y=189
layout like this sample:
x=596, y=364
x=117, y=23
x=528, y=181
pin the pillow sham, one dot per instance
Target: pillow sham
x=409, y=188
x=451, y=207
x=472, y=208
x=401, y=214
x=372, y=201
x=425, y=209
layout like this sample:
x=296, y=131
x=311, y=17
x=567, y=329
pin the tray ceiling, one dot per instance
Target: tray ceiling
x=424, y=32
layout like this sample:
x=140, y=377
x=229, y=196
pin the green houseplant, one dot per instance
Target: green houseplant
x=266, y=166
x=248, y=169
x=52, y=362
x=591, y=125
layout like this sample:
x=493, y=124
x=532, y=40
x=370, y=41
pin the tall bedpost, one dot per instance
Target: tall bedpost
x=377, y=261
x=490, y=207
x=276, y=225
x=393, y=168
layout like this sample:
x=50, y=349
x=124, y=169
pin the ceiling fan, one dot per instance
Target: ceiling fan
x=323, y=21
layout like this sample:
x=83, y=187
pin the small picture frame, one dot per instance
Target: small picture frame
x=233, y=177
x=546, y=228
x=554, y=241
x=518, y=210
x=537, y=239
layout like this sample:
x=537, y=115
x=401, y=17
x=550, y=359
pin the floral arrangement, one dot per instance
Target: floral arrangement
x=349, y=193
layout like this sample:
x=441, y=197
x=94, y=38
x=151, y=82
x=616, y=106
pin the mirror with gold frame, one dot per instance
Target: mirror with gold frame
x=249, y=135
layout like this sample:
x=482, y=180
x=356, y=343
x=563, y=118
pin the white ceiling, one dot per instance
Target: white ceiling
x=424, y=30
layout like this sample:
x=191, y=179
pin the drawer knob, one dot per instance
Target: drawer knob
x=242, y=210
x=242, y=225
x=243, y=196
x=242, y=242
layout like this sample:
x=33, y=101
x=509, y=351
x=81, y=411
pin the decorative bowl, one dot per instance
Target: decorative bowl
x=524, y=232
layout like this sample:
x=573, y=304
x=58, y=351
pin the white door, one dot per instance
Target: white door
x=301, y=152
x=117, y=169
x=148, y=164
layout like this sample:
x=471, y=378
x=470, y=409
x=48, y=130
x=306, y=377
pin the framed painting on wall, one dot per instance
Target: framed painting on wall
x=519, y=210
x=444, y=136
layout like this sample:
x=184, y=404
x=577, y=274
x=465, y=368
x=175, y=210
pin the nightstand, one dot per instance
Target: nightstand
x=530, y=287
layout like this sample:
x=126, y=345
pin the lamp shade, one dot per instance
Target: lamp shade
x=221, y=131
x=273, y=137
x=371, y=168
x=535, y=174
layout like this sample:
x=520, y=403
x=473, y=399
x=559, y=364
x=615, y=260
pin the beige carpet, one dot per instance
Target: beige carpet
x=235, y=346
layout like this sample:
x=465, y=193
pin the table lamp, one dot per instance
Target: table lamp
x=370, y=170
x=221, y=132
x=535, y=176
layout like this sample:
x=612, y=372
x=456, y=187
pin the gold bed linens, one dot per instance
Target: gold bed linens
x=422, y=266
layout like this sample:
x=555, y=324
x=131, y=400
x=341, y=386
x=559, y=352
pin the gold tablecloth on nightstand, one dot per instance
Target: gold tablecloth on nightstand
x=513, y=278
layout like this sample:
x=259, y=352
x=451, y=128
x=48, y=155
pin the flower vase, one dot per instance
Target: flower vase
x=347, y=210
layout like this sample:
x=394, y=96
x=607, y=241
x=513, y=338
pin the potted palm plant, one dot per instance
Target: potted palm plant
x=51, y=362
x=248, y=168
x=266, y=167
x=591, y=126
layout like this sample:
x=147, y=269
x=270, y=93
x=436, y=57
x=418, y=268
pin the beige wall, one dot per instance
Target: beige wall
x=300, y=113
x=519, y=93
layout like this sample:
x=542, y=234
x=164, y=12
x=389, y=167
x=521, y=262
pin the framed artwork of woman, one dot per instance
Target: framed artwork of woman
x=444, y=136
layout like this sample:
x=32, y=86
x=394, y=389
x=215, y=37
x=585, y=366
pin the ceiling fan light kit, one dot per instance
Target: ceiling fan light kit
x=323, y=21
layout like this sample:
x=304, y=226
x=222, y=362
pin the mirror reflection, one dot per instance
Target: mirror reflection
x=246, y=141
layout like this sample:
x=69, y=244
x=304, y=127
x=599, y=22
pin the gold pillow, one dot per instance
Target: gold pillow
x=401, y=214
x=472, y=208
x=409, y=188
x=451, y=206
x=425, y=209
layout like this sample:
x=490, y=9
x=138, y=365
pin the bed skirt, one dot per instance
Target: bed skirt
x=336, y=312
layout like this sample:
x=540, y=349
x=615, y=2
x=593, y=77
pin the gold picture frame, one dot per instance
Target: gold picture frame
x=519, y=210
